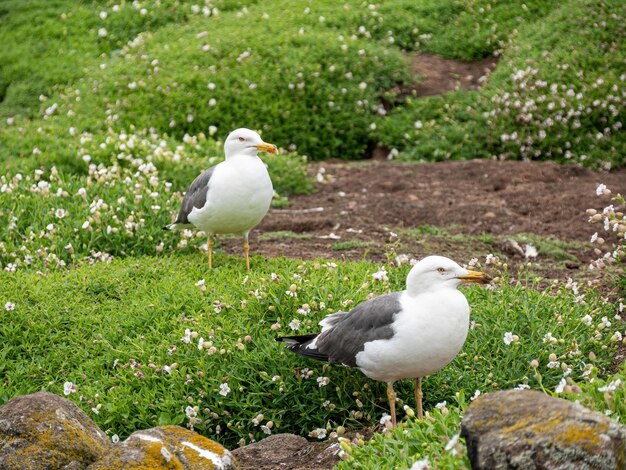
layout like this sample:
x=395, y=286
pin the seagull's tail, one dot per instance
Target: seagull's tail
x=303, y=345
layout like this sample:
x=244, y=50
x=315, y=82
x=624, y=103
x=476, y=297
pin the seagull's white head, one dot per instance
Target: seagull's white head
x=437, y=272
x=246, y=142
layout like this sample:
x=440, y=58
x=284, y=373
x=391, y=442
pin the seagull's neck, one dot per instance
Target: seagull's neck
x=246, y=153
x=415, y=289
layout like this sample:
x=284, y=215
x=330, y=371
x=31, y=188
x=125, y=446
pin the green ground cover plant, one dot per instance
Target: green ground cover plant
x=313, y=76
x=157, y=340
x=552, y=96
x=108, y=110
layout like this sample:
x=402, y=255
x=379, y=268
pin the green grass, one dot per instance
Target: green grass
x=551, y=97
x=281, y=234
x=348, y=245
x=92, y=325
x=310, y=76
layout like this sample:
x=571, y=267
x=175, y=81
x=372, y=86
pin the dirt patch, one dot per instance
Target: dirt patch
x=437, y=75
x=461, y=209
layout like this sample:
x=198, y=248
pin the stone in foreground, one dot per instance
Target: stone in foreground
x=287, y=452
x=525, y=429
x=43, y=430
x=166, y=447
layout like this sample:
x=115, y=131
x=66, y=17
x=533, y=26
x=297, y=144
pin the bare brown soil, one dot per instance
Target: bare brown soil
x=438, y=75
x=480, y=205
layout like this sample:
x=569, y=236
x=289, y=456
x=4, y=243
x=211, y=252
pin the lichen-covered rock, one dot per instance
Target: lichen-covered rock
x=525, y=429
x=45, y=431
x=166, y=447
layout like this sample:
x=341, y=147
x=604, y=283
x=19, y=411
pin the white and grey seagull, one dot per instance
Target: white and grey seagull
x=232, y=196
x=408, y=334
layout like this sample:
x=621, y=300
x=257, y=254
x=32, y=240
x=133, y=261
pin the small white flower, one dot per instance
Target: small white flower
x=385, y=419
x=559, y=388
x=295, y=324
x=441, y=405
x=102, y=32
x=418, y=124
x=200, y=343
x=587, y=319
x=452, y=442
x=320, y=433
x=9, y=306
x=115, y=438
x=323, y=381
x=508, y=338
x=476, y=395
x=224, y=389
x=548, y=338
x=380, y=275
x=611, y=387
x=600, y=189
x=421, y=464
x=69, y=387
x=187, y=337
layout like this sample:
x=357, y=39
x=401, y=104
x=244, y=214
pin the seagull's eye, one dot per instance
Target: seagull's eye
x=242, y=139
x=441, y=270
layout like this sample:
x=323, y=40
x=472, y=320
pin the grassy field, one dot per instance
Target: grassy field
x=108, y=110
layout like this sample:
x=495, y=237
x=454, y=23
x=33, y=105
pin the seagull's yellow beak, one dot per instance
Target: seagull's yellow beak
x=475, y=276
x=269, y=148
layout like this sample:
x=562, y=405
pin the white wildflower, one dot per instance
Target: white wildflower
x=508, y=338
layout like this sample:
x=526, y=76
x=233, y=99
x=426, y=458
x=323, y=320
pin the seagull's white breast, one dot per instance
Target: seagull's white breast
x=429, y=332
x=240, y=193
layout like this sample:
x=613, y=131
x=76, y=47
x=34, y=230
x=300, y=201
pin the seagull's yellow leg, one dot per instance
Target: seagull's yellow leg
x=391, y=396
x=418, y=397
x=209, y=249
x=246, y=250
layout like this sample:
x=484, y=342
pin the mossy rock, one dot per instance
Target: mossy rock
x=166, y=447
x=526, y=429
x=43, y=430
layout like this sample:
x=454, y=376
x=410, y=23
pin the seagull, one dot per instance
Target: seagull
x=401, y=335
x=232, y=196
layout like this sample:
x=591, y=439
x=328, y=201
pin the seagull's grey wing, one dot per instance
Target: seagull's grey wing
x=195, y=196
x=368, y=321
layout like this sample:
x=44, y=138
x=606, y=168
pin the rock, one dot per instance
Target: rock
x=288, y=452
x=166, y=447
x=512, y=248
x=525, y=429
x=43, y=430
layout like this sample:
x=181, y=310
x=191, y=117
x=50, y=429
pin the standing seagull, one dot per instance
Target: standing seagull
x=408, y=334
x=232, y=196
